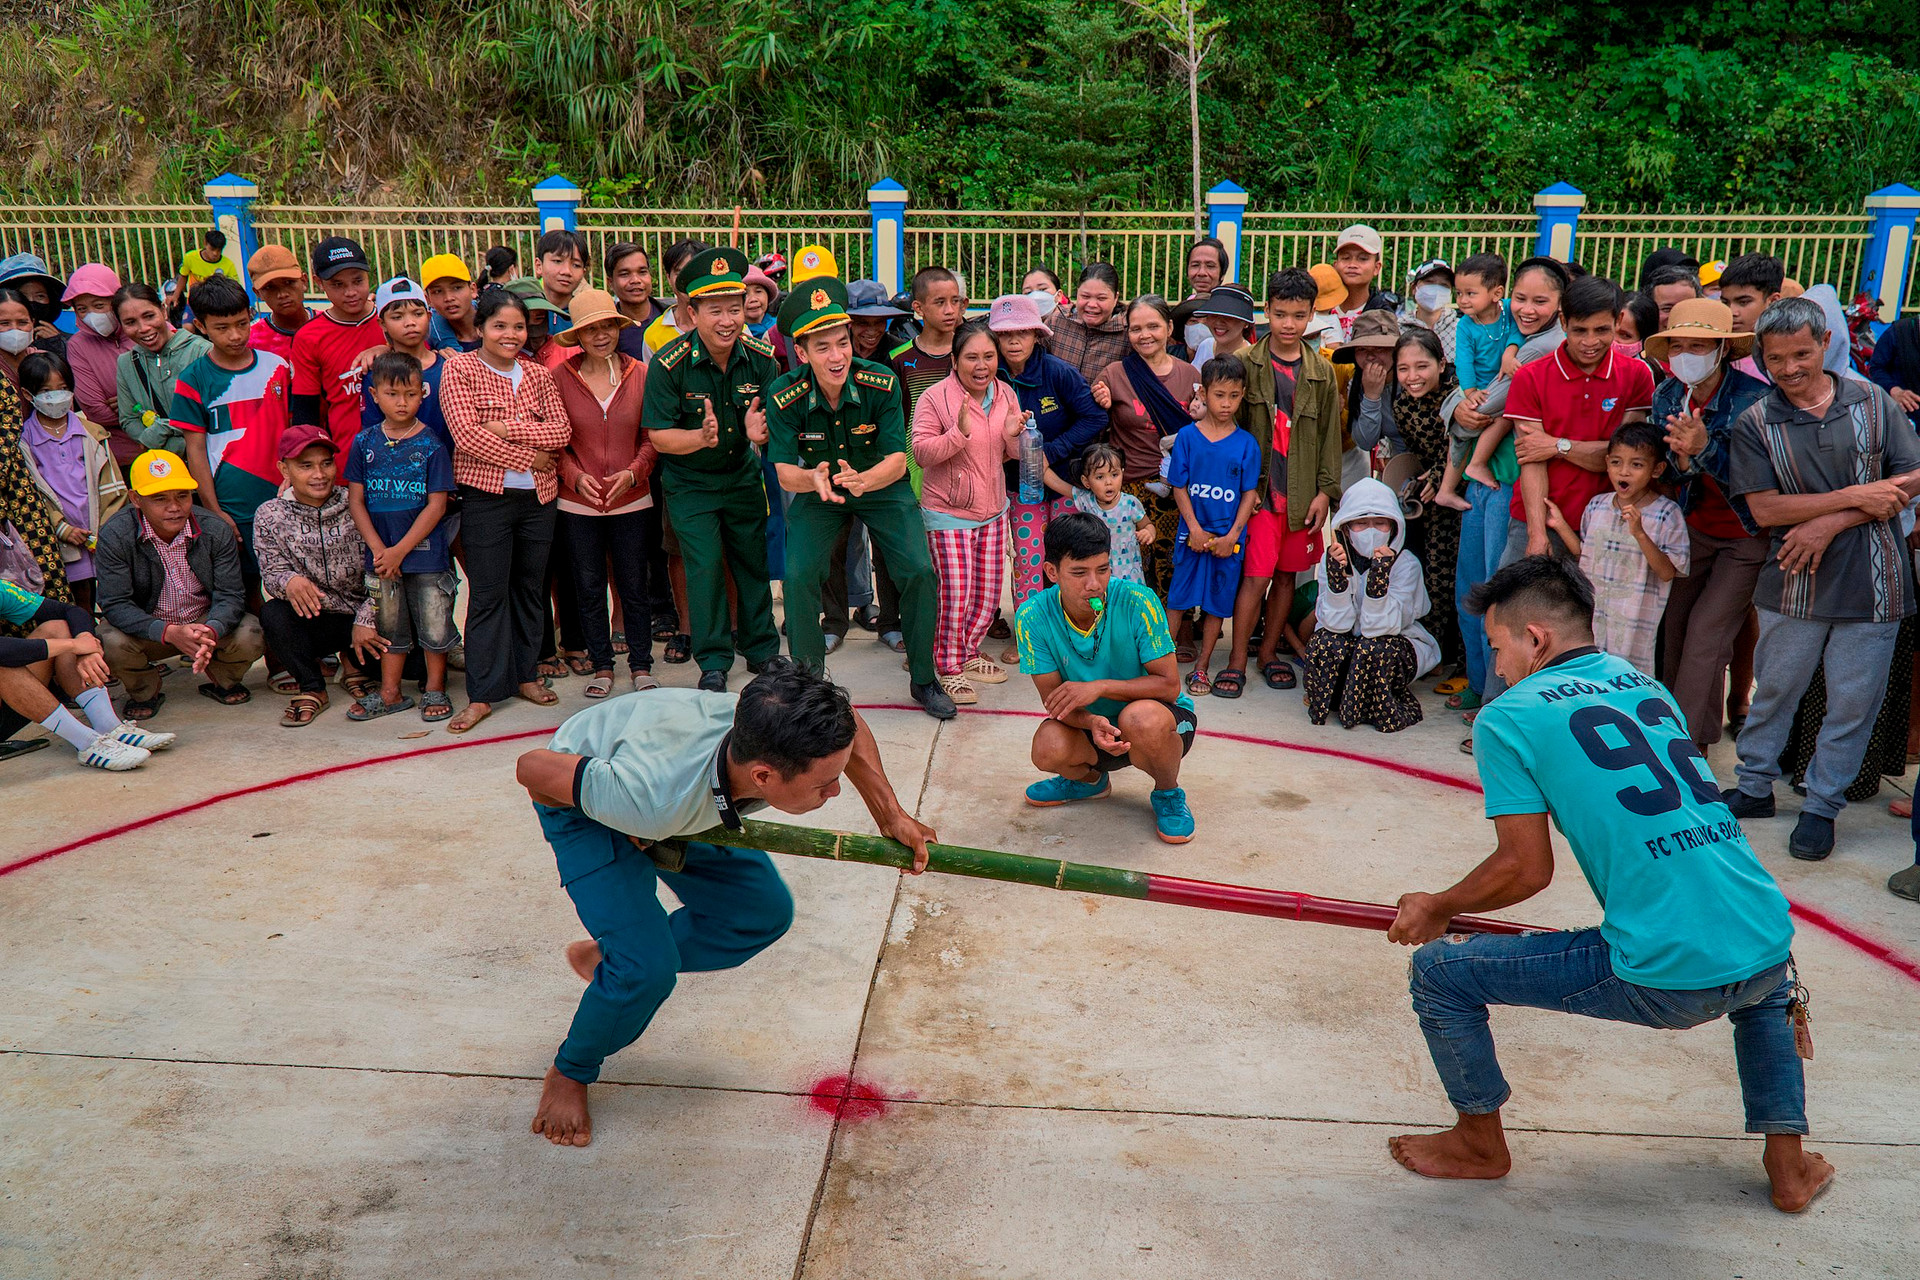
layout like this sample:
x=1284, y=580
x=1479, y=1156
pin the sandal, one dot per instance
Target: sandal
x=999, y=630
x=373, y=706
x=1464, y=700
x=302, y=708
x=579, y=664
x=643, y=681
x=136, y=709
x=619, y=642
x=1229, y=683
x=1466, y=745
x=541, y=695
x=552, y=669
x=665, y=629
x=601, y=685
x=470, y=715
x=231, y=696
x=1279, y=675
x=894, y=641
x=1197, y=683
x=1457, y=684
x=1185, y=654
x=435, y=705
x=283, y=684
x=357, y=685
x=679, y=647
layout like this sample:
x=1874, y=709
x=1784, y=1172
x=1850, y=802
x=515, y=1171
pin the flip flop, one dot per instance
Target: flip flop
x=679, y=647
x=21, y=746
x=579, y=664
x=458, y=727
x=232, y=696
x=1464, y=700
x=1279, y=675
x=137, y=710
x=619, y=642
x=1229, y=683
x=1454, y=685
x=372, y=707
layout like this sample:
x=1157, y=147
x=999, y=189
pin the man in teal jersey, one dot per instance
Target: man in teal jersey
x=1101, y=658
x=1693, y=927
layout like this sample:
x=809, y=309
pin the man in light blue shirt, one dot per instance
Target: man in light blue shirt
x=1693, y=927
x=661, y=765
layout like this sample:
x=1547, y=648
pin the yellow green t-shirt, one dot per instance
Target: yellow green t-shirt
x=196, y=268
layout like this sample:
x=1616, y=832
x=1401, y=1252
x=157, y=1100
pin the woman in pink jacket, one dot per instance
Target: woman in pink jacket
x=965, y=428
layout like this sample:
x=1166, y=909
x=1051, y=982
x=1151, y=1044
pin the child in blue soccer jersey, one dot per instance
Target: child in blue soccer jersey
x=1215, y=473
x=1692, y=927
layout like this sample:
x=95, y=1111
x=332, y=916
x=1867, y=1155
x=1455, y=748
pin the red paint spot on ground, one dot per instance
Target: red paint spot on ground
x=845, y=1098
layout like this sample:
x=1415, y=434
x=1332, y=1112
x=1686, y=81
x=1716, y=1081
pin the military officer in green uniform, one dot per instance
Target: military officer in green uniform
x=837, y=438
x=703, y=409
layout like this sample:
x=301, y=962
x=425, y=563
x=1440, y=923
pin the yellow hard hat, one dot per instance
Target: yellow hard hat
x=813, y=260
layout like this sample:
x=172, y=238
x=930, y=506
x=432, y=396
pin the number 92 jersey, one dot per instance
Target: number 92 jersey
x=1602, y=748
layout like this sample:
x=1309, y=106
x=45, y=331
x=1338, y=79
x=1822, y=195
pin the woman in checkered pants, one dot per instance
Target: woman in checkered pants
x=965, y=428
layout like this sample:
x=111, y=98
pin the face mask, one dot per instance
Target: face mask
x=14, y=341
x=53, y=404
x=1693, y=368
x=1432, y=296
x=1197, y=334
x=100, y=322
x=1627, y=348
x=1367, y=541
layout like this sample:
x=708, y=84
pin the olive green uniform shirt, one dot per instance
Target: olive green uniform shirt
x=868, y=426
x=682, y=378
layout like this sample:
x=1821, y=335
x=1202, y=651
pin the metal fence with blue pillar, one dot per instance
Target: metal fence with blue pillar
x=887, y=202
x=1889, y=257
x=1558, y=208
x=557, y=202
x=1226, y=213
x=231, y=198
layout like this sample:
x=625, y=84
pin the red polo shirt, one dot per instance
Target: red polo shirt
x=1576, y=405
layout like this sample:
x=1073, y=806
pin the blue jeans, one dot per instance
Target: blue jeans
x=1455, y=978
x=1483, y=540
x=733, y=906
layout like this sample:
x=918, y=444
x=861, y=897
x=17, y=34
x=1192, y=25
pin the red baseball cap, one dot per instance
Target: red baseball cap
x=295, y=441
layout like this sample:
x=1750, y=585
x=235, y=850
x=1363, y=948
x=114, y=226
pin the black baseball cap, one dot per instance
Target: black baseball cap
x=336, y=254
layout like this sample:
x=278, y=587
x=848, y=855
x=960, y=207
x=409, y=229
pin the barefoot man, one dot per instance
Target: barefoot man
x=669, y=763
x=1693, y=927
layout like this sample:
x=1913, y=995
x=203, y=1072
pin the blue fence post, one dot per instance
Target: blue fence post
x=556, y=201
x=1558, y=208
x=887, y=202
x=1226, y=211
x=1889, y=259
x=231, y=197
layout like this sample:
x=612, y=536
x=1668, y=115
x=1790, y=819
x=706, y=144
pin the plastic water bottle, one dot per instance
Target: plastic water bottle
x=1033, y=464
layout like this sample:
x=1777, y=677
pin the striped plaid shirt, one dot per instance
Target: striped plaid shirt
x=182, y=597
x=1861, y=436
x=472, y=392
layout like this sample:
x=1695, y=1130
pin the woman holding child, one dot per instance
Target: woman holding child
x=1145, y=394
x=509, y=425
x=1423, y=379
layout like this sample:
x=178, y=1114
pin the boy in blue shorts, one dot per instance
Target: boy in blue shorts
x=1215, y=473
x=399, y=475
x=1692, y=927
x=1101, y=658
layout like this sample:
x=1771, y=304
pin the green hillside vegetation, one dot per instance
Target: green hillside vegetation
x=971, y=103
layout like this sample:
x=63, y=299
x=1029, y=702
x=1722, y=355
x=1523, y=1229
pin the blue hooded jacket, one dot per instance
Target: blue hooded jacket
x=1062, y=406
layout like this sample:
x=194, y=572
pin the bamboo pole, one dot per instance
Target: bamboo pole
x=1080, y=877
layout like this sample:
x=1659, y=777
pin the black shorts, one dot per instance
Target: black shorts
x=1184, y=724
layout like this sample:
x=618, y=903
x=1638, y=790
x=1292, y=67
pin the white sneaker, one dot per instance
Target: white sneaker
x=959, y=690
x=984, y=671
x=109, y=753
x=146, y=739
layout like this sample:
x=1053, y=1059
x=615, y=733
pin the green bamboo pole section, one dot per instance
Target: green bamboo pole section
x=951, y=859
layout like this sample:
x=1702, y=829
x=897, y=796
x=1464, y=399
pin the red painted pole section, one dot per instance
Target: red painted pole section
x=1282, y=905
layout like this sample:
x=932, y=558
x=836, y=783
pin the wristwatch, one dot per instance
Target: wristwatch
x=1564, y=445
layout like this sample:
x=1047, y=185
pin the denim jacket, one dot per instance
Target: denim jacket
x=1735, y=392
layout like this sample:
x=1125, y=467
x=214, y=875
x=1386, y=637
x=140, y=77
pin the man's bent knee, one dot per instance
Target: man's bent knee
x=1145, y=719
x=1057, y=746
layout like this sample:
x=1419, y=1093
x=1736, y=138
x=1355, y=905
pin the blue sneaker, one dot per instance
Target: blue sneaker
x=1048, y=792
x=1171, y=817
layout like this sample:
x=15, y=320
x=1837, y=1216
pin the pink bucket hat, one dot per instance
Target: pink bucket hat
x=1013, y=312
x=91, y=277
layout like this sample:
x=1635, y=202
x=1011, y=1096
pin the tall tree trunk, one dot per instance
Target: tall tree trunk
x=1193, y=119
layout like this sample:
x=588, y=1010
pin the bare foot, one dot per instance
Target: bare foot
x=1481, y=474
x=584, y=958
x=535, y=692
x=470, y=715
x=1901, y=808
x=562, y=1116
x=1453, y=501
x=1797, y=1176
x=1476, y=1147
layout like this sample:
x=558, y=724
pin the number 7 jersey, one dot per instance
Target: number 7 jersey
x=1601, y=747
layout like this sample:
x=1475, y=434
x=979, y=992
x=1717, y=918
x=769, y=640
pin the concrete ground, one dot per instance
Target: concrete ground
x=300, y=1033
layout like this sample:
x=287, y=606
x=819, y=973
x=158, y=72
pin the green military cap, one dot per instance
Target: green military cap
x=713, y=272
x=535, y=298
x=812, y=305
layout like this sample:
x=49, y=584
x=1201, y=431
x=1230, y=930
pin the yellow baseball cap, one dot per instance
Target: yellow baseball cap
x=813, y=260
x=157, y=471
x=444, y=266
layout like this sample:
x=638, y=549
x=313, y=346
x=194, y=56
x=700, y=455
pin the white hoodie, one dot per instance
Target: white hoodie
x=1398, y=612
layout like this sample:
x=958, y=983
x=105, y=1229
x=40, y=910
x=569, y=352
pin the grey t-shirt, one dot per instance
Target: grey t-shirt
x=1866, y=574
